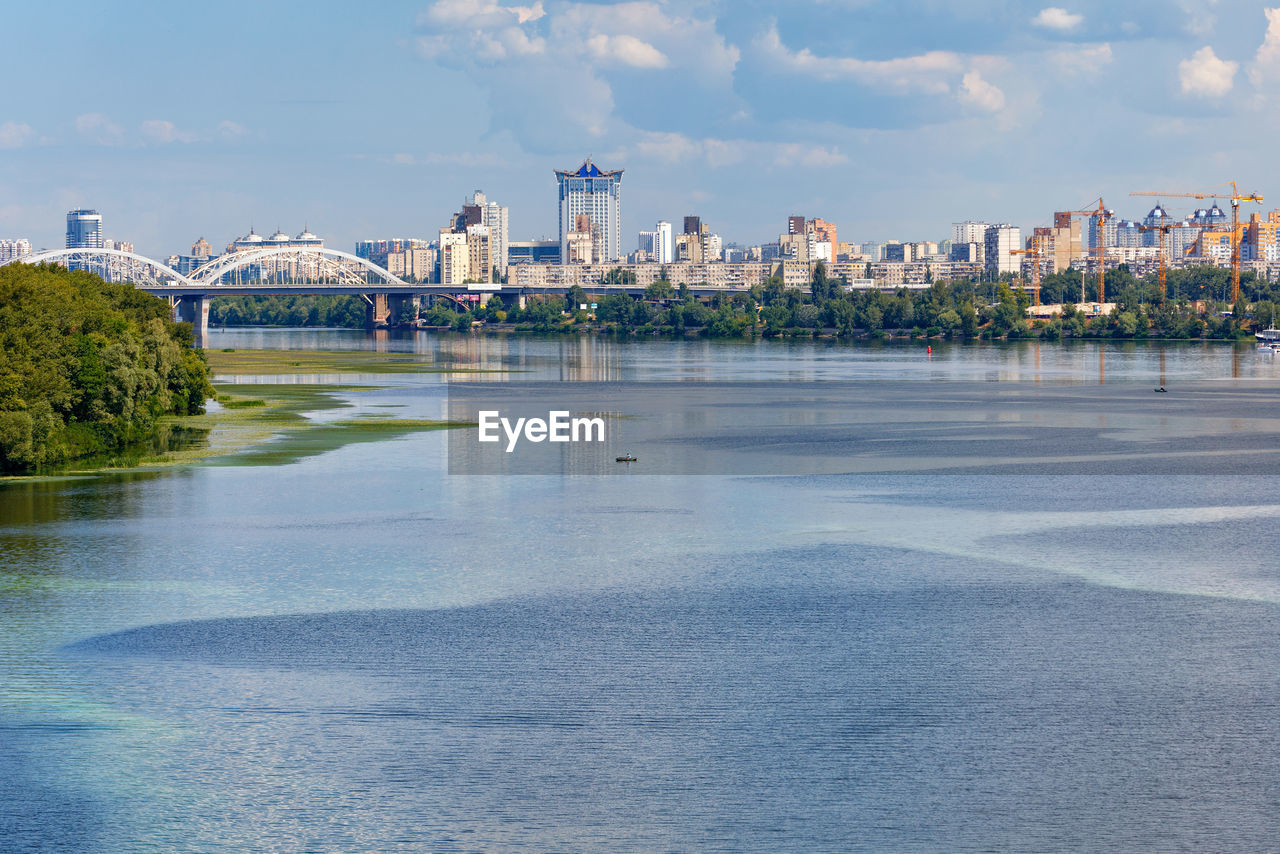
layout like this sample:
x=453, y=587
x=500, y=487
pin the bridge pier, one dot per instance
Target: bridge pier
x=375, y=311
x=194, y=309
x=398, y=305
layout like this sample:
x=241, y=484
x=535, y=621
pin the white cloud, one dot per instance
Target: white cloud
x=635, y=34
x=228, y=129
x=550, y=74
x=627, y=50
x=980, y=94
x=814, y=156
x=163, y=132
x=465, y=14
x=1056, y=18
x=676, y=148
x=1266, y=62
x=1082, y=60
x=927, y=72
x=1206, y=76
x=99, y=129
x=14, y=135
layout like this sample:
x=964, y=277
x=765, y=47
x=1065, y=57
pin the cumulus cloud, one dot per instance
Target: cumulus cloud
x=626, y=50
x=1056, y=18
x=551, y=74
x=1204, y=75
x=163, y=132
x=463, y=14
x=15, y=135
x=980, y=94
x=99, y=129
x=1266, y=62
x=928, y=72
x=1086, y=59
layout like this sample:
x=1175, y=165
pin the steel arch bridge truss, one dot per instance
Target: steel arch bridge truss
x=293, y=266
x=112, y=265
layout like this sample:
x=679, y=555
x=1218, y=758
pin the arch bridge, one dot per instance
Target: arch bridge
x=270, y=270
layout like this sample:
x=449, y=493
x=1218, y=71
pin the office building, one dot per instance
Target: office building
x=596, y=194
x=664, y=243
x=84, y=229
x=533, y=252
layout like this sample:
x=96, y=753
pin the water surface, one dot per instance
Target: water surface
x=358, y=651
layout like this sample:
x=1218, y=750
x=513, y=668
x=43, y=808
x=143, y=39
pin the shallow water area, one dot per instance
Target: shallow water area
x=352, y=649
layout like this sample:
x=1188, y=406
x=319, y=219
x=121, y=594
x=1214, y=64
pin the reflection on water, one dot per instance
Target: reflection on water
x=603, y=358
x=359, y=652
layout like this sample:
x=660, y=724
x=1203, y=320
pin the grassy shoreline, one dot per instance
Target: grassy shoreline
x=266, y=423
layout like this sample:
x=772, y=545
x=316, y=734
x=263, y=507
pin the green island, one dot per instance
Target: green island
x=1190, y=306
x=94, y=375
x=87, y=367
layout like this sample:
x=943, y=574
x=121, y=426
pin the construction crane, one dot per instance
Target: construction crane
x=1164, y=228
x=1034, y=251
x=1236, y=198
x=1101, y=213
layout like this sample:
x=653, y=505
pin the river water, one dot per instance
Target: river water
x=358, y=651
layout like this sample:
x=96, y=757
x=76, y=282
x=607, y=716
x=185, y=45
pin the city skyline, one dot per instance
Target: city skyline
x=893, y=121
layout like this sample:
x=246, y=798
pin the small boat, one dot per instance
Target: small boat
x=1161, y=390
x=1268, y=336
x=626, y=459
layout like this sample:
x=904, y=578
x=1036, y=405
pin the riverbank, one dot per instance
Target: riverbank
x=268, y=423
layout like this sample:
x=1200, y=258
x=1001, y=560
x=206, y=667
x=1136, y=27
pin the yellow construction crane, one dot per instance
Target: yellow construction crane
x=1236, y=198
x=1034, y=250
x=1164, y=228
x=1101, y=213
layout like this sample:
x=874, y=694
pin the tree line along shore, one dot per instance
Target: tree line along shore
x=87, y=367
x=1191, y=306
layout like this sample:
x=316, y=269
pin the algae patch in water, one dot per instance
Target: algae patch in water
x=267, y=362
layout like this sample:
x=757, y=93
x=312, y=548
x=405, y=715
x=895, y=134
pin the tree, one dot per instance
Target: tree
x=659, y=290
x=87, y=366
x=618, y=276
x=820, y=286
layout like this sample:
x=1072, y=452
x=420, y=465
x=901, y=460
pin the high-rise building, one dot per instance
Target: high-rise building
x=647, y=244
x=825, y=232
x=664, y=244
x=494, y=216
x=479, y=253
x=533, y=252
x=11, y=249
x=693, y=225
x=1000, y=242
x=455, y=261
x=594, y=193
x=84, y=229
x=969, y=231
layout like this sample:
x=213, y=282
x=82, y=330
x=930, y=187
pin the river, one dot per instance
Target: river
x=359, y=651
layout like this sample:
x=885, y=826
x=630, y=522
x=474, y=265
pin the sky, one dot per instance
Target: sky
x=890, y=118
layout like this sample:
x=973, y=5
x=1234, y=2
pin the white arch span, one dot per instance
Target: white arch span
x=320, y=262
x=116, y=259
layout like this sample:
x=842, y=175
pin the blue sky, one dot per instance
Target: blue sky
x=891, y=119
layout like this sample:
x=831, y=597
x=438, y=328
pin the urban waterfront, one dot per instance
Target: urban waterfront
x=359, y=651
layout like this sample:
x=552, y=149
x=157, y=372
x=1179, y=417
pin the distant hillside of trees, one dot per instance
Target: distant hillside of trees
x=87, y=366
x=287, y=310
x=1193, y=306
